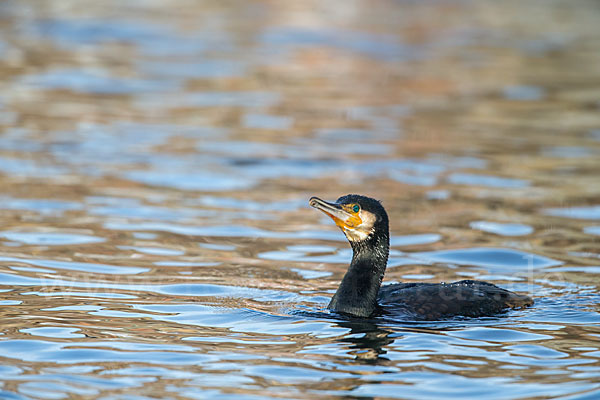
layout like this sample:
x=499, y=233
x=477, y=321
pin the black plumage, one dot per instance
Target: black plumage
x=365, y=223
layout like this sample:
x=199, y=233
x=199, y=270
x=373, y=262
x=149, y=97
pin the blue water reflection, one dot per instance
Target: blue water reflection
x=385, y=47
x=156, y=159
x=523, y=93
x=50, y=238
x=583, y=212
x=486, y=180
x=504, y=229
x=95, y=82
x=494, y=259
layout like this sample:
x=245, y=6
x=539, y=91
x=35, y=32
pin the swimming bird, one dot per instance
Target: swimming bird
x=365, y=223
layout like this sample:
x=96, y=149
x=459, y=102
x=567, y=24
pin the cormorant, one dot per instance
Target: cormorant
x=365, y=224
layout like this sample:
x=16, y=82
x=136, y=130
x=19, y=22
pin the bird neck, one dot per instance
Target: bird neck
x=357, y=293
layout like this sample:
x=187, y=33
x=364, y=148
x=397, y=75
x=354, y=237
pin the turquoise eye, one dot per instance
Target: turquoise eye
x=356, y=208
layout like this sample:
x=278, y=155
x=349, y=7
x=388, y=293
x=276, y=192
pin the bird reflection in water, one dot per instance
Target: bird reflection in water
x=367, y=340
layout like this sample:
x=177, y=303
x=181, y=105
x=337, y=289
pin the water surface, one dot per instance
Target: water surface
x=156, y=160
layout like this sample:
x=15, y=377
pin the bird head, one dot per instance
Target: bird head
x=359, y=217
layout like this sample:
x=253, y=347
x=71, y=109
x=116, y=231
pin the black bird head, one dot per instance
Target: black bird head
x=361, y=218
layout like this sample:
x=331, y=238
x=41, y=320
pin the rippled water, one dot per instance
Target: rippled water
x=156, y=159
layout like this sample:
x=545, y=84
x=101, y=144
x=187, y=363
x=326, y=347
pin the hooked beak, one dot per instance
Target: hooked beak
x=341, y=218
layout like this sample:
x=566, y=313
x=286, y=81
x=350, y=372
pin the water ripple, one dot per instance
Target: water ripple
x=494, y=259
x=504, y=229
x=78, y=266
x=50, y=238
x=591, y=212
x=156, y=163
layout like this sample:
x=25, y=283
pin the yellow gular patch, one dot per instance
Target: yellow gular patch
x=353, y=219
x=349, y=223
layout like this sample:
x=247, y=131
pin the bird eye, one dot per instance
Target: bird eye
x=356, y=208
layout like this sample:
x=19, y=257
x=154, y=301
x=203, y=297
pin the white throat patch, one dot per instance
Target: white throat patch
x=364, y=230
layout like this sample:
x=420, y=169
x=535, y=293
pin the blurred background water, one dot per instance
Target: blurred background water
x=156, y=159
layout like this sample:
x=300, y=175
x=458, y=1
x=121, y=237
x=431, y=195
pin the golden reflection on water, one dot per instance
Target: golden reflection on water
x=156, y=160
